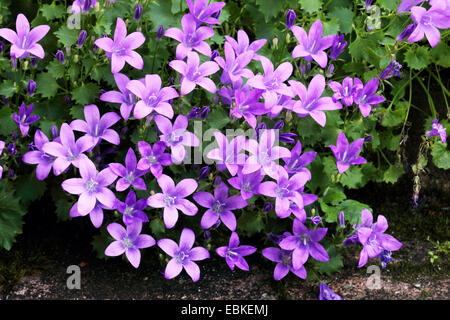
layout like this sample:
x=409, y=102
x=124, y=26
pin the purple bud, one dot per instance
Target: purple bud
x=368, y=138
x=1, y=46
x=81, y=38
x=5, y=101
x=216, y=14
x=14, y=136
x=11, y=173
x=33, y=61
x=217, y=181
x=13, y=63
x=341, y=219
x=138, y=12
x=393, y=69
x=207, y=235
x=316, y=220
x=204, y=172
x=406, y=32
x=287, y=137
x=60, y=56
x=275, y=238
x=303, y=70
x=55, y=131
x=290, y=18
x=261, y=126
x=337, y=47
x=217, y=224
x=308, y=68
x=12, y=149
x=124, y=131
x=194, y=113
x=31, y=87
x=31, y=146
x=279, y=125
x=160, y=32
x=268, y=206
x=368, y=3
x=205, y=111
x=87, y=5
x=67, y=99
x=214, y=55
x=330, y=70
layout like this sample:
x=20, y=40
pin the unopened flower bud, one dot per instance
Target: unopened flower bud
x=81, y=38
x=160, y=32
x=31, y=87
x=204, y=172
x=60, y=56
x=290, y=18
x=341, y=219
x=138, y=12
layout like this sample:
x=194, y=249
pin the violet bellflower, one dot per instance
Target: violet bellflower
x=153, y=158
x=234, y=66
x=337, y=47
x=24, y=119
x=406, y=5
x=43, y=160
x=247, y=106
x=96, y=127
x=24, y=42
x=153, y=97
x=125, y=97
x=243, y=45
x=437, y=129
x=428, y=23
x=297, y=162
x=172, y=199
x=312, y=46
x=347, y=154
x=160, y=32
x=393, y=69
x=82, y=5
x=195, y=74
x=344, y=92
x=128, y=241
x=132, y=209
x=365, y=96
x=176, y=137
x=129, y=174
x=183, y=255
x=121, y=49
x=228, y=153
x=190, y=38
x=2, y=146
x=283, y=258
x=91, y=187
x=311, y=103
x=327, y=294
x=248, y=184
x=96, y=215
x=406, y=32
x=234, y=253
x=219, y=206
x=305, y=242
x=204, y=13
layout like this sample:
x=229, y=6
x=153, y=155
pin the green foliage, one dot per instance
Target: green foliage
x=440, y=155
x=11, y=213
x=86, y=93
x=310, y=6
x=417, y=57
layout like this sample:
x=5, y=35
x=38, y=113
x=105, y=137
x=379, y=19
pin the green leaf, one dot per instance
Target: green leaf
x=7, y=88
x=331, y=27
x=333, y=265
x=11, y=213
x=158, y=227
x=86, y=94
x=67, y=36
x=418, y=57
x=63, y=207
x=56, y=69
x=394, y=172
x=161, y=11
x=100, y=242
x=250, y=223
x=7, y=123
x=53, y=11
x=352, y=178
x=76, y=112
x=46, y=85
x=333, y=196
x=310, y=6
x=345, y=18
x=441, y=156
x=355, y=48
x=440, y=54
x=218, y=118
x=29, y=188
x=271, y=8
x=178, y=6
x=395, y=117
x=388, y=4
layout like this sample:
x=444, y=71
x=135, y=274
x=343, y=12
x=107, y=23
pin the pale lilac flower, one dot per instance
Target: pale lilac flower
x=219, y=206
x=183, y=255
x=347, y=154
x=247, y=105
x=297, y=162
x=125, y=97
x=247, y=183
x=283, y=258
x=234, y=253
x=195, y=74
x=228, y=154
x=365, y=96
x=132, y=209
x=243, y=45
x=234, y=67
x=96, y=127
x=438, y=129
x=128, y=241
x=428, y=23
x=43, y=160
x=130, y=175
x=344, y=92
x=91, y=187
x=311, y=103
x=25, y=118
x=96, y=215
x=305, y=242
x=172, y=199
x=66, y=150
x=406, y=5
x=311, y=46
x=191, y=37
x=327, y=294
x=204, y=13
x=24, y=42
x=176, y=137
x=153, y=158
x=121, y=49
x=153, y=98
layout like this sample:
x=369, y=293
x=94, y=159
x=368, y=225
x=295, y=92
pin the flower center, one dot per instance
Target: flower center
x=218, y=207
x=282, y=192
x=174, y=138
x=127, y=243
x=151, y=159
x=91, y=185
x=129, y=177
x=151, y=100
x=128, y=211
x=232, y=255
x=263, y=157
x=190, y=40
x=182, y=256
x=426, y=20
x=70, y=156
x=286, y=258
x=304, y=239
x=246, y=187
x=169, y=201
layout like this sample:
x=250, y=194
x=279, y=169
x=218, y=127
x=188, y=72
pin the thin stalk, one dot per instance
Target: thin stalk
x=430, y=100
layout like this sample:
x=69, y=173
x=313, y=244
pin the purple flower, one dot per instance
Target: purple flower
x=327, y=294
x=290, y=18
x=138, y=12
x=2, y=146
x=373, y=238
x=194, y=113
x=204, y=13
x=82, y=5
x=234, y=67
x=283, y=258
x=24, y=42
x=25, y=118
x=365, y=96
x=96, y=127
x=345, y=91
x=60, y=56
x=153, y=98
x=287, y=137
x=91, y=187
x=234, y=254
x=437, y=129
x=130, y=175
x=311, y=46
x=243, y=45
x=385, y=258
x=285, y=191
x=96, y=215
x=247, y=105
x=205, y=112
x=311, y=102
x=346, y=154
x=183, y=255
x=12, y=148
x=204, y=172
x=337, y=47
x=194, y=74
x=66, y=150
x=128, y=241
x=153, y=158
x=406, y=5
x=125, y=97
x=160, y=32
x=43, y=160
x=190, y=38
x=219, y=206
x=121, y=49
x=247, y=183
x=81, y=38
x=172, y=199
x=228, y=154
x=1, y=46
x=297, y=162
x=31, y=87
x=427, y=24
x=132, y=209
x=305, y=242
x=264, y=154
x=316, y=220
x=176, y=137
x=406, y=32
x=393, y=69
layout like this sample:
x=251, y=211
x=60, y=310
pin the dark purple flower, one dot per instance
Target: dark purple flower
x=204, y=13
x=130, y=174
x=60, y=56
x=83, y=5
x=138, y=12
x=346, y=154
x=204, y=172
x=368, y=3
x=290, y=18
x=1, y=46
x=284, y=260
x=194, y=113
x=316, y=220
x=365, y=96
x=31, y=87
x=406, y=32
x=287, y=137
x=205, y=112
x=132, y=209
x=297, y=162
x=393, y=69
x=268, y=206
x=24, y=119
x=437, y=129
x=43, y=160
x=337, y=47
x=234, y=254
x=153, y=158
x=33, y=61
x=2, y=146
x=326, y=293
x=183, y=255
x=81, y=38
x=385, y=258
x=160, y=32
x=214, y=55
x=12, y=149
